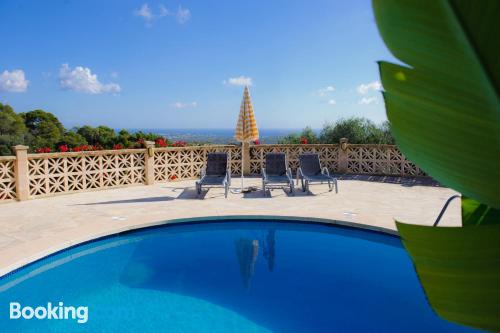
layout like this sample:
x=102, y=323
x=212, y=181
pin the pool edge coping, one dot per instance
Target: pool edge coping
x=66, y=245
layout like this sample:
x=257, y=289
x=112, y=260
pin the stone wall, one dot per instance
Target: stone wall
x=27, y=176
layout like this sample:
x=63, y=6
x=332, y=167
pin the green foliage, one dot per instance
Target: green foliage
x=444, y=108
x=10, y=122
x=89, y=133
x=41, y=129
x=475, y=213
x=145, y=136
x=72, y=139
x=385, y=135
x=125, y=139
x=357, y=131
x=12, y=129
x=106, y=136
x=459, y=269
x=44, y=129
x=295, y=138
x=309, y=135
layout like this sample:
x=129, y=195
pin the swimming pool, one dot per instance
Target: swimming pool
x=231, y=276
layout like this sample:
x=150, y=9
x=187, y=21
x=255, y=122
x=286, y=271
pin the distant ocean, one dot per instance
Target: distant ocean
x=219, y=136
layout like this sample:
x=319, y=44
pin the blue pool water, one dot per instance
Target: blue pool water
x=237, y=276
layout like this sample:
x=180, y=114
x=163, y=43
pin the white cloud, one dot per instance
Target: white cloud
x=163, y=11
x=183, y=15
x=13, y=81
x=238, y=81
x=368, y=100
x=114, y=75
x=364, y=88
x=326, y=90
x=149, y=15
x=145, y=12
x=332, y=102
x=184, y=105
x=81, y=79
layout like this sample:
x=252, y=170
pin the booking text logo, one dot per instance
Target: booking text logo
x=50, y=312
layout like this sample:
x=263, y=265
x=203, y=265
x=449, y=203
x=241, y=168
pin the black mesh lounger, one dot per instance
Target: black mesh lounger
x=277, y=172
x=310, y=171
x=216, y=173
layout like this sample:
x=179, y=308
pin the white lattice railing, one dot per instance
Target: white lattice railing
x=7, y=178
x=57, y=173
x=187, y=162
x=379, y=160
x=71, y=172
x=355, y=159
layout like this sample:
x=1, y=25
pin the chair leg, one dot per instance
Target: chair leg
x=336, y=186
x=292, y=189
x=226, y=190
x=330, y=186
x=264, y=188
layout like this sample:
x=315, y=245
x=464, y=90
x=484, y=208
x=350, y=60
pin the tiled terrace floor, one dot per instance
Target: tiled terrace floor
x=32, y=229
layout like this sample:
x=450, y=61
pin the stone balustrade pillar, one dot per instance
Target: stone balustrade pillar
x=245, y=153
x=343, y=154
x=149, y=162
x=21, y=172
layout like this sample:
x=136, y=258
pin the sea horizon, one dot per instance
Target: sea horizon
x=215, y=135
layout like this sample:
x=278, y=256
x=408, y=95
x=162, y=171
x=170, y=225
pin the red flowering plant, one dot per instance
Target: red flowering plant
x=86, y=148
x=161, y=142
x=43, y=150
x=256, y=142
x=117, y=146
x=172, y=177
x=303, y=140
x=63, y=148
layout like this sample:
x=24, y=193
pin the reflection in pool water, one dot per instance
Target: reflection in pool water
x=244, y=276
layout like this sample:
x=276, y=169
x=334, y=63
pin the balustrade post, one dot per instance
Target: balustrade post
x=343, y=155
x=149, y=162
x=21, y=172
x=245, y=153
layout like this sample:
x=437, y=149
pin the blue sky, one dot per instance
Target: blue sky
x=172, y=64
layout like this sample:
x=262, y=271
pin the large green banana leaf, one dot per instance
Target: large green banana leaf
x=475, y=213
x=459, y=269
x=444, y=105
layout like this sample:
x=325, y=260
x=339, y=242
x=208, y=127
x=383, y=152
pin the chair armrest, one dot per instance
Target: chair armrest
x=325, y=171
x=264, y=174
x=228, y=175
x=289, y=173
x=203, y=172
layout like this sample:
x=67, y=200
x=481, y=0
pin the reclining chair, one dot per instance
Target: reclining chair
x=217, y=173
x=310, y=171
x=277, y=172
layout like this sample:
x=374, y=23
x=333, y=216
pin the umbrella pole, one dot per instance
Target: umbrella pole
x=240, y=190
x=242, y=164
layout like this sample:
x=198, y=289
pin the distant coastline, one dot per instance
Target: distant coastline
x=219, y=136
